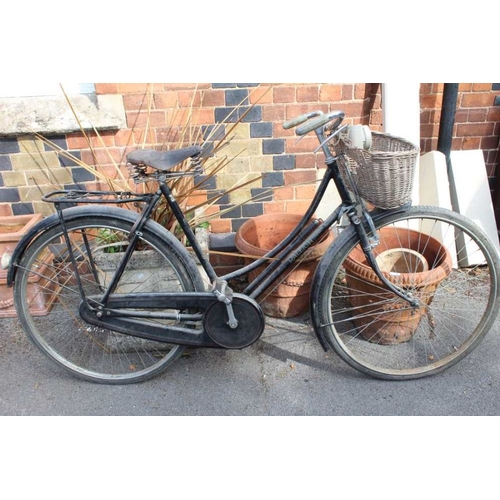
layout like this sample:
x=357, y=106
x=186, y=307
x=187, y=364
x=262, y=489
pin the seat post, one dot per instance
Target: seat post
x=179, y=215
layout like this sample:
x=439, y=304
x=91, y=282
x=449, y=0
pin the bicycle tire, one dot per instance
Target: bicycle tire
x=47, y=298
x=384, y=337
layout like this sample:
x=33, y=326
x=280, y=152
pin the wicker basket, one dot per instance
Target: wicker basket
x=382, y=175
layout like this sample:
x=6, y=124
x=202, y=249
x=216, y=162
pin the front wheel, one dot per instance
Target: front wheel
x=442, y=259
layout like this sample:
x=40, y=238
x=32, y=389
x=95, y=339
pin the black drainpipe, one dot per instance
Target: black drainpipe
x=448, y=109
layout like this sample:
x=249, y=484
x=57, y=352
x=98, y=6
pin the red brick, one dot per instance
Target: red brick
x=478, y=115
x=150, y=118
x=279, y=131
x=470, y=143
x=110, y=172
x=134, y=102
x=376, y=120
x=283, y=193
x=76, y=141
x=273, y=113
x=124, y=138
x=102, y=139
x=125, y=88
x=297, y=207
x=202, y=117
x=274, y=207
x=477, y=100
x=489, y=143
x=474, y=129
x=330, y=93
x=305, y=192
x=311, y=160
x=189, y=98
x=284, y=94
x=426, y=116
x=347, y=92
x=5, y=210
x=184, y=86
x=213, y=98
x=362, y=90
x=492, y=157
x=431, y=101
x=226, y=260
x=166, y=100
x=493, y=114
x=429, y=130
x=464, y=87
x=220, y=226
x=481, y=87
x=306, y=144
x=196, y=199
x=263, y=94
x=106, y=88
x=353, y=109
x=461, y=116
x=299, y=176
x=309, y=93
x=426, y=88
x=106, y=156
x=293, y=110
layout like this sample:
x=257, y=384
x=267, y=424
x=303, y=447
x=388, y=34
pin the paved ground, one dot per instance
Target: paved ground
x=285, y=373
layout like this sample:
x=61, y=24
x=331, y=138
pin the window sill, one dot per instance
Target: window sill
x=52, y=115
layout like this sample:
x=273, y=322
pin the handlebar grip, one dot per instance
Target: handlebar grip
x=320, y=121
x=300, y=119
x=313, y=125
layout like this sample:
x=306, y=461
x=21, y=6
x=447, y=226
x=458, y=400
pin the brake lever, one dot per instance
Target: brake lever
x=329, y=138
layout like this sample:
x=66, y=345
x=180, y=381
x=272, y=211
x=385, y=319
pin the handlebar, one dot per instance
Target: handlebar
x=321, y=121
x=300, y=119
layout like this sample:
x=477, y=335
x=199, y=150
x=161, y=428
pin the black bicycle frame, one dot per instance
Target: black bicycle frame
x=283, y=256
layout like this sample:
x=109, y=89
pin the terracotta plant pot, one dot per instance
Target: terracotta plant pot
x=380, y=318
x=12, y=229
x=259, y=235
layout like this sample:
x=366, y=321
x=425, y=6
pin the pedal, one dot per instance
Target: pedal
x=224, y=294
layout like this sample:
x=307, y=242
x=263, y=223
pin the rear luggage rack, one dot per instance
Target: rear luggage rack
x=113, y=197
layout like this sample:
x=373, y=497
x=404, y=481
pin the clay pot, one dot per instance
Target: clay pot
x=12, y=229
x=256, y=237
x=380, y=317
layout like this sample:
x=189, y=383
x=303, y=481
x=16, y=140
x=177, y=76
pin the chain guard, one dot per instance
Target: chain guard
x=251, y=323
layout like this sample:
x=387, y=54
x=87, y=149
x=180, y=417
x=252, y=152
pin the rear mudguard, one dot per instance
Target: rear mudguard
x=110, y=212
x=326, y=260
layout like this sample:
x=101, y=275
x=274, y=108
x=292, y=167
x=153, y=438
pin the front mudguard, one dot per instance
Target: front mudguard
x=337, y=245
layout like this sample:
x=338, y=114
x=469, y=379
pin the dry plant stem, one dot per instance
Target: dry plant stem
x=182, y=186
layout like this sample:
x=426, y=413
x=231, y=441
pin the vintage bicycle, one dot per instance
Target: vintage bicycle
x=106, y=320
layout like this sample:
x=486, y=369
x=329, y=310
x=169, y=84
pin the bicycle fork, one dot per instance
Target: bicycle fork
x=369, y=240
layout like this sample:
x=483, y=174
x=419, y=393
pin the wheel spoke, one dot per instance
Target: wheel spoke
x=379, y=333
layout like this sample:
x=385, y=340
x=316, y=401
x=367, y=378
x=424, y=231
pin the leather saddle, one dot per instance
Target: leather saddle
x=162, y=160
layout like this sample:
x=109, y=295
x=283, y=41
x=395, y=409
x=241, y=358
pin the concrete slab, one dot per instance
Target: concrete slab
x=470, y=194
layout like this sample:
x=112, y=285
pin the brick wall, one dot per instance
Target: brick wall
x=283, y=168
x=477, y=120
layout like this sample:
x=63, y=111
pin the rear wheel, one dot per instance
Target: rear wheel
x=47, y=298
x=379, y=333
